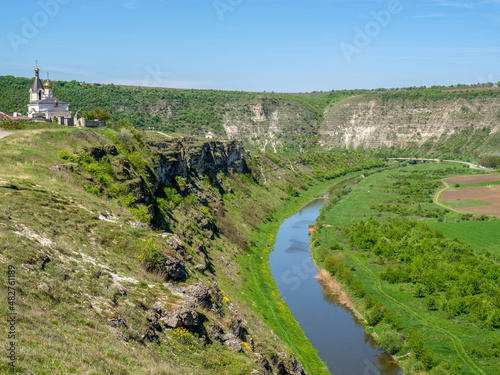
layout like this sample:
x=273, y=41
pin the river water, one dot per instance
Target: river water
x=331, y=328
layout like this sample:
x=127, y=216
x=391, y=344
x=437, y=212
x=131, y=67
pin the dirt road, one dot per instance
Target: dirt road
x=3, y=134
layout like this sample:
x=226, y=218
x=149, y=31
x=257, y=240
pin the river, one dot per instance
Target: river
x=331, y=328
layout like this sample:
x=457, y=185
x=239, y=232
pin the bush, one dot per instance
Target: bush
x=334, y=263
x=438, y=371
x=357, y=288
x=140, y=213
x=412, y=366
x=374, y=315
x=390, y=341
x=65, y=155
x=422, y=352
x=151, y=255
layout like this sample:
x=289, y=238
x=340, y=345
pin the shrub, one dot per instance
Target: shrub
x=390, y=341
x=141, y=213
x=375, y=315
x=422, y=352
x=412, y=366
x=65, y=155
x=151, y=255
x=334, y=263
x=357, y=288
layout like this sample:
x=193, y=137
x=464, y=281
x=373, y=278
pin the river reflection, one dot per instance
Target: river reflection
x=331, y=328
x=383, y=361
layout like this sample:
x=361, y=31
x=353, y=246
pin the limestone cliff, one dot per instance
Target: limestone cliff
x=445, y=124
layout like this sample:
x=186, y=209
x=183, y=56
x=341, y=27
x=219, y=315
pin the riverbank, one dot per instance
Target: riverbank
x=261, y=287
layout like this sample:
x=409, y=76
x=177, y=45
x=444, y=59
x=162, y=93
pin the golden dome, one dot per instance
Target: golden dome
x=47, y=85
x=37, y=70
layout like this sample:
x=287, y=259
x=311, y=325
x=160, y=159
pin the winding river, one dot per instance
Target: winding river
x=332, y=329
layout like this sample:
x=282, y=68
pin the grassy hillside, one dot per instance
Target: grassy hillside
x=285, y=121
x=408, y=121
x=129, y=252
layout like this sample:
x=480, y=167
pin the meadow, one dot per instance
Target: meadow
x=481, y=236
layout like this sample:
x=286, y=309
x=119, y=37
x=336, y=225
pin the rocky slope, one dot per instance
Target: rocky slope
x=125, y=247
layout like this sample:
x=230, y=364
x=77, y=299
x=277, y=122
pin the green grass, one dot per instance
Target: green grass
x=463, y=203
x=480, y=235
x=374, y=190
x=479, y=184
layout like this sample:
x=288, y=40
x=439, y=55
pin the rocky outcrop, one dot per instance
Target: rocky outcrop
x=198, y=294
x=183, y=316
x=101, y=151
x=174, y=268
x=189, y=156
x=215, y=332
x=287, y=365
x=377, y=122
x=232, y=342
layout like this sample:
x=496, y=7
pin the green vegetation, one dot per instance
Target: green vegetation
x=483, y=237
x=97, y=114
x=490, y=161
x=279, y=122
x=190, y=112
x=480, y=184
x=463, y=203
x=423, y=291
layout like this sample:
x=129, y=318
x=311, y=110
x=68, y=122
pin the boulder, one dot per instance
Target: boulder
x=232, y=342
x=184, y=316
x=174, y=242
x=215, y=332
x=117, y=322
x=199, y=294
x=42, y=286
x=201, y=268
x=174, y=269
x=287, y=365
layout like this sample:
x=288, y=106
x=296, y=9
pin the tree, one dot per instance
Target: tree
x=97, y=114
x=490, y=161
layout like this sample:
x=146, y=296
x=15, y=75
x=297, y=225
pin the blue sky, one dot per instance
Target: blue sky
x=255, y=45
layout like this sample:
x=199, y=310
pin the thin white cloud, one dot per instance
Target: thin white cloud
x=178, y=84
x=456, y=4
x=73, y=72
x=432, y=15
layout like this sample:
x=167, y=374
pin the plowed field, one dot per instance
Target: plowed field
x=488, y=194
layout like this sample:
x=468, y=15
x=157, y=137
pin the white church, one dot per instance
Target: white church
x=43, y=102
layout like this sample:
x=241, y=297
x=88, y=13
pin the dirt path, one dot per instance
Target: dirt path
x=166, y=135
x=437, y=196
x=471, y=165
x=4, y=134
